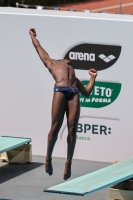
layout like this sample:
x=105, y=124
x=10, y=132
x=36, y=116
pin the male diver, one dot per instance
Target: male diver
x=65, y=100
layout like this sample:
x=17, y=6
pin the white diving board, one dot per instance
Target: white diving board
x=8, y=143
x=96, y=180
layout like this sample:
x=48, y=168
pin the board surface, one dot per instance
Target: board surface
x=8, y=143
x=96, y=180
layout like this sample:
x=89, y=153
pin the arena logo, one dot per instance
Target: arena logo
x=86, y=56
x=103, y=94
x=81, y=56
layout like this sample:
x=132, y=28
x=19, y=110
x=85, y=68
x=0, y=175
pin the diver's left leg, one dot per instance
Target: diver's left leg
x=73, y=112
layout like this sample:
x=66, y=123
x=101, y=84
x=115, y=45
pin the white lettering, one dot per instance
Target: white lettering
x=93, y=99
x=92, y=57
x=96, y=90
x=100, y=100
x=82, y=56
x=87, y=100
x=102, y=90
x=96, y=100
x=76, y=55
x=86, y=56
x=105, y=100
x=108, y=92
x=81, y=99
x=71, y=55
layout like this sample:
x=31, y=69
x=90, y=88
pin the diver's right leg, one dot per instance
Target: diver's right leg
x=59, y=106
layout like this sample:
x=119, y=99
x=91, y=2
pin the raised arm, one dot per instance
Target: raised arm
x=41, y=52
x=86, y=91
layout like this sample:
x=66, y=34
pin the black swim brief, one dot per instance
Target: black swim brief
x=67, y=90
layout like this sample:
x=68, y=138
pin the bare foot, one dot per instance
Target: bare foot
x=48, y=167
x=67, y=171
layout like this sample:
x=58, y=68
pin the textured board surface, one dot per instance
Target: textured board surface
x=97, y=180
x=8, y=143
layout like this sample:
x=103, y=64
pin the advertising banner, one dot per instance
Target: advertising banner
x=100, y=41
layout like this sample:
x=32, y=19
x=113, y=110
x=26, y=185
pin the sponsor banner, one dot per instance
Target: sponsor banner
x=105, y=128
x=103, y=94
x=89, y=126
x=95, y=137
x=98, y=56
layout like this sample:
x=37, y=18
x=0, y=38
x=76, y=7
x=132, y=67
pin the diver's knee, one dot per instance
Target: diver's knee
x=55, y=127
